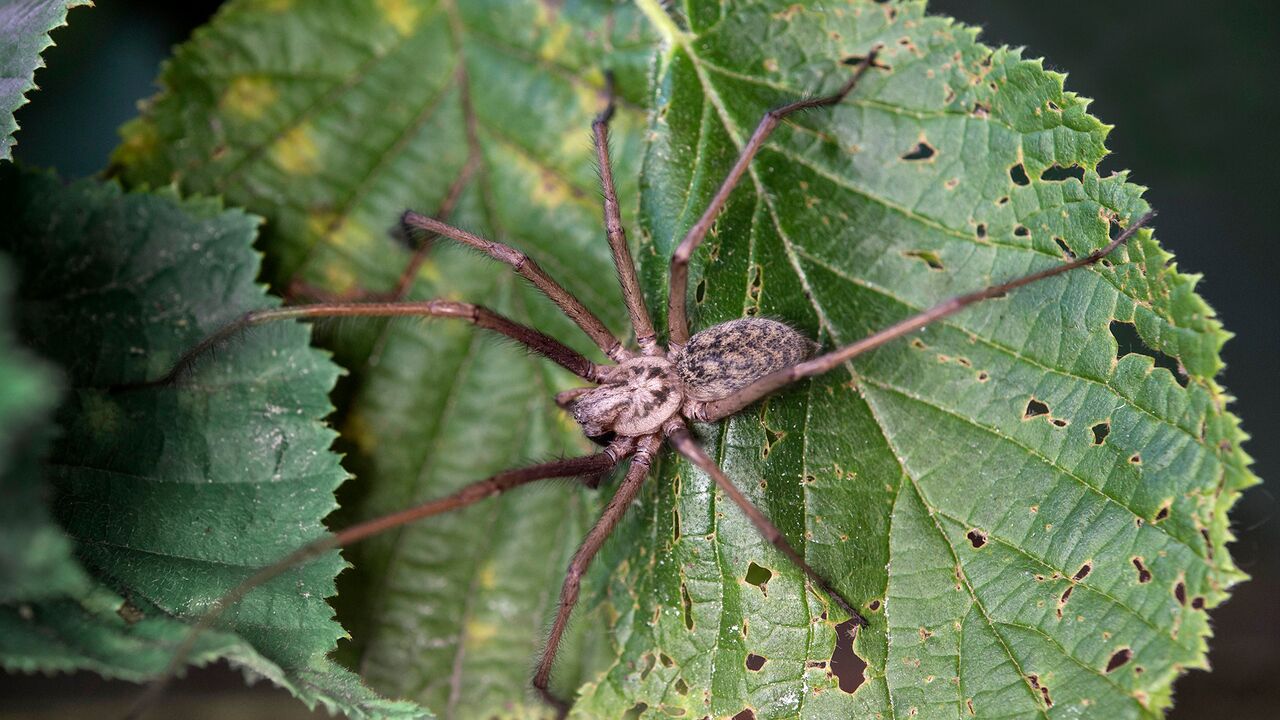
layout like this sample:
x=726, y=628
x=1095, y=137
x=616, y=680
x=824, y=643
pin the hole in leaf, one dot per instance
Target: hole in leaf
x=666, y=660
x=928, y=256
x=649, y=663
x=1044, y=690
x=982, y=230
x=977, y=538
x=922, y=151
x=1059, y=422
x=675, y=525
x=681, y=686
x=636, y=712
x=859, y=59
x=1035, y=408
x=700, y=292
x=1083, y=572
x=1003, y=200
x=874, y=606
x=1021, y=231
x=755, y=662
x=1058, y=173
x=1144, y=575
x=1128, y=341
x=848, y=668
x=983, y=376
x=687, y=602
x=1121, y=656
x=130, y=613
x=1180, y=593
x=1018, y=173
x=758, y=576
x=1062, y=245
x=1100, y=432
x=1197, y=603
x=980, y=110
x=746, y=714
x=1136, y=458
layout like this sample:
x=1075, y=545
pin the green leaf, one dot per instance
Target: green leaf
x=38, y=561
x=912, y=478
x=205, y=481
x=24, y=34
x=331, y=118
x=955, y=486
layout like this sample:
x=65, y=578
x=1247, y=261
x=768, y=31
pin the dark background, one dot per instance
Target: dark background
x=1191, y=87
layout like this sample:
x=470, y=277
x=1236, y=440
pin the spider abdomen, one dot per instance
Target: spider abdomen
x=732, y=355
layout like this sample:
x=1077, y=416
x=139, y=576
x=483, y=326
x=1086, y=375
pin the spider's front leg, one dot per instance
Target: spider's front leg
x=677, y=296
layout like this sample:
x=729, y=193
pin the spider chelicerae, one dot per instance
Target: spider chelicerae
x=645, y=399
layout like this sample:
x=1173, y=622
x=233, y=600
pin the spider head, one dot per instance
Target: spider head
x=634, y=398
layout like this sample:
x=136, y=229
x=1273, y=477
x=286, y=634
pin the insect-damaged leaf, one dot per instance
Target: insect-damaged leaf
x=330, y=119
x=918, y=479
x=172, y=494
x=952, y=485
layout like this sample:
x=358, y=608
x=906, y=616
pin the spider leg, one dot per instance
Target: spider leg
x=678, y=433
x=410, y=272
x=631, y=294
x=487, y=488
x=477, y=315
x=613, y=512
x=529, y=270
x=301, y=290
x=677, y=320
x=717, y=409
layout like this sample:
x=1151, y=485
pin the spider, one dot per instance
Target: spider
x=645, y=399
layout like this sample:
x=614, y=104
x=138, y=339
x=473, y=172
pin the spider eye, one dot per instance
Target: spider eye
x=603, y=439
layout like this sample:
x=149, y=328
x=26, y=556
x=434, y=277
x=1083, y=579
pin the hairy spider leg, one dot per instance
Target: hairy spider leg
x=677, y=295
x=646, y=338
x=646, y=447
x=678, y=433
x=529, y=270
x=489, y=487
x=477, y=315
x=410, y=272
x=718, y=409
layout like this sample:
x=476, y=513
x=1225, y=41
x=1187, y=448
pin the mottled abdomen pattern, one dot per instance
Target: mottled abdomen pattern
x=729, y=356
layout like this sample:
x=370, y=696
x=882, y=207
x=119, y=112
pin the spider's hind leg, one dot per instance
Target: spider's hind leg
x=646, y=448
x=678, y=433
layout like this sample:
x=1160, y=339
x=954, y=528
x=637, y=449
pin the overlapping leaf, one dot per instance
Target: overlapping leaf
x=174, y=494
x=330, y=119
x=38, y=563
x=24, y=34
x=1032, y=525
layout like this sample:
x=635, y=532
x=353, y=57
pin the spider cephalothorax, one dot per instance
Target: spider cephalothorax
x=642, y=401
x=634, y=398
